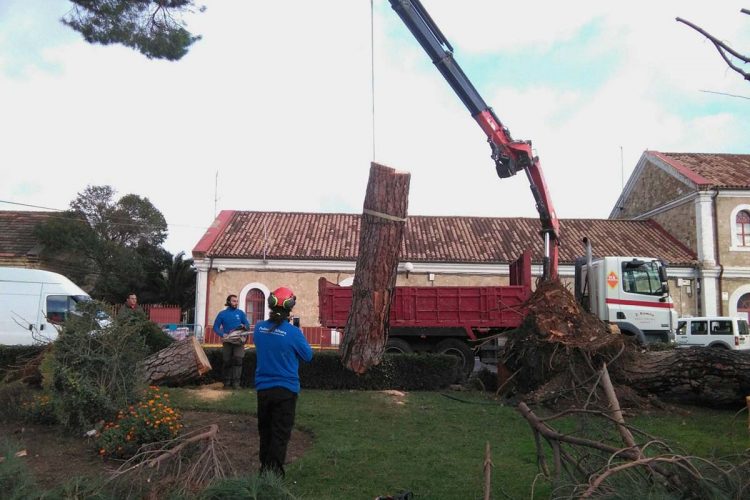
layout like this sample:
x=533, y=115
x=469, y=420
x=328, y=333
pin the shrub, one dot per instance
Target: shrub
x=148, y=421
x=92, y=371
x=39, y=410
x=397, y=371
x=14, y=356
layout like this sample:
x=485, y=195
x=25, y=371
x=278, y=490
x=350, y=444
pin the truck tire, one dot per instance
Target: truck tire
x=398, y=346
x=455, y=347
x=719, y=345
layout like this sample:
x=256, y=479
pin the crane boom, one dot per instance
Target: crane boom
x=509, y=155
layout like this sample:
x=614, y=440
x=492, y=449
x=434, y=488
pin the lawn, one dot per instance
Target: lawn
x=367, y=444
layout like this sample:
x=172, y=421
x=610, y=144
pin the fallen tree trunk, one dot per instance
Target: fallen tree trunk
x=701, y=376
x=559, y=349
x=381, y=235
x=181, y=362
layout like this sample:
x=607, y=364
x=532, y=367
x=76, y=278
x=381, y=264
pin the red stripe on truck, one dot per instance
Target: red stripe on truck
x=641, y=303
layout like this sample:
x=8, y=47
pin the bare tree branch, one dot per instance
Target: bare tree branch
x=722, y=47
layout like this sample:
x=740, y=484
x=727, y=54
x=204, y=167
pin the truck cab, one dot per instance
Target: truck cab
x=631, y=292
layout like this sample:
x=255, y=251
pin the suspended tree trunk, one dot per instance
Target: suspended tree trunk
x=381, y=235
x=181, y=362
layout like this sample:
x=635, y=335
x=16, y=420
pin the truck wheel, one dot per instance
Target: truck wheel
x=455, y=347
x=398, y=346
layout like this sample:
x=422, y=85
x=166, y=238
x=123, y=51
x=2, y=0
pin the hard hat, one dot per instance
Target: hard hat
x=282, y=297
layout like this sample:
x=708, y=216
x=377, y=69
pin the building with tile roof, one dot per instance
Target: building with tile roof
x=703, y=201
x=251, y=253
x=18, y=246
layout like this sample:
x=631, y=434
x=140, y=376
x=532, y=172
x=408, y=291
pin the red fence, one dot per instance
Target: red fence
x=157, y=313
x=318, y=337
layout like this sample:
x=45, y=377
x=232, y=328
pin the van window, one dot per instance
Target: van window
x=742, y=328
x=721, y=327
x=59, y=306
x=682, y=328
x=699, y=328
x=642, y=279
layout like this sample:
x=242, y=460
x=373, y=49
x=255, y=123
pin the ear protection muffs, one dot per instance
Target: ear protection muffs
x=282, y=297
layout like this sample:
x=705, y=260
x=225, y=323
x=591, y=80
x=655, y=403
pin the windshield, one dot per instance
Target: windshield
x=642, y=278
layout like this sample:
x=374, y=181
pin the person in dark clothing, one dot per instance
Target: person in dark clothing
x=232, y=350
x=130, y=310
x=279, y=347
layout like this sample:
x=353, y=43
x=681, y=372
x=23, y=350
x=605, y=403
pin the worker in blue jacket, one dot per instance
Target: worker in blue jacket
x=232, y=351
x=279, y=347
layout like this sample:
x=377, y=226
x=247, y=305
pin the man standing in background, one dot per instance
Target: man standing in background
x=233, y=349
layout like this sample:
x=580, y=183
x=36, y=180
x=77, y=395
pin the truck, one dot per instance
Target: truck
x=466, y=321
x=631, y=292
x=34, y=303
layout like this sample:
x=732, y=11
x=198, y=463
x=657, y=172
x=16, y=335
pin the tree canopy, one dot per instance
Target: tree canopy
x=153, y=27
x=113, y=246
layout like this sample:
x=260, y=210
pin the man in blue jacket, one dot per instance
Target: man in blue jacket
x=279, y=346
x=232, y=352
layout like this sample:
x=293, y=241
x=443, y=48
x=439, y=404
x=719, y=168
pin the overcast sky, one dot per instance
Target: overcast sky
x=277, y=99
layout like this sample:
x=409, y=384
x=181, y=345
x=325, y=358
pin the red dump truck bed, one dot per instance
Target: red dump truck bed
x=472, y=308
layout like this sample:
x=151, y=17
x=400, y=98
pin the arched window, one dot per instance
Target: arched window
x=743, y=305
x=742, y=228
x=255, y=306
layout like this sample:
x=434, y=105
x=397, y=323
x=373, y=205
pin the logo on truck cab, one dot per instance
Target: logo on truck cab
x=612, y=279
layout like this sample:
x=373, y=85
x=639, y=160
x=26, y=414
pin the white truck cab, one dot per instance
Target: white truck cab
x=33, y=302
x=723, y=332
x=631, y=292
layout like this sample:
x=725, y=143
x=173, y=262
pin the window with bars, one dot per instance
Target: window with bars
x=743, y=228
x=255, y=306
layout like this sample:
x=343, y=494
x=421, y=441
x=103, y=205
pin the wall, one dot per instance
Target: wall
x=653, y=189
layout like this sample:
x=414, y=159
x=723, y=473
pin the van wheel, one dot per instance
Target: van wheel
x=398, y=346
x=454, y=347
x=719, y=346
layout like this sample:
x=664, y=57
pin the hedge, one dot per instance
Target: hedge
x=423, y=372
x=14, y=356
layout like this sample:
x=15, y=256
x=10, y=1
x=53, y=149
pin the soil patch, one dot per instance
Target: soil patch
x=54, y=457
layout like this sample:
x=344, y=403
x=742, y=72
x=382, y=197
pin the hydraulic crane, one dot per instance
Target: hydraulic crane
x=509, y=155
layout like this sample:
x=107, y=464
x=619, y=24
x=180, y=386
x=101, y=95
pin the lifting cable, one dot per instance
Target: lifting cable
x=372, y=73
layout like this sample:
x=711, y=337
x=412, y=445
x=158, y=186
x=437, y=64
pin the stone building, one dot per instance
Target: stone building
x=251, y=253
x=703, y=201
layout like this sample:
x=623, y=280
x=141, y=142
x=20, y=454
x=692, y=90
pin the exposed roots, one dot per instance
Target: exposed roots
x=186, y=464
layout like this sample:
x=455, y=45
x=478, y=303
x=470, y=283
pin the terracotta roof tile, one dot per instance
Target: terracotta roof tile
x=17, y=232
x=726, y=171
x=293, y=235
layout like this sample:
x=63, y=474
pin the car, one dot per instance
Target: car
x=722, y=332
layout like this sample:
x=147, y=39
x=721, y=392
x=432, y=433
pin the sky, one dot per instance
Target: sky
x=283, y=105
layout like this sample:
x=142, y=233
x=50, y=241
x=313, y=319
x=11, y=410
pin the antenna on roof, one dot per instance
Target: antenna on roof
x=216, y=192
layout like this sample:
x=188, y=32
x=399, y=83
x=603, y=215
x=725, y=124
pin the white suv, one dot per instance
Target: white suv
x=723, y=332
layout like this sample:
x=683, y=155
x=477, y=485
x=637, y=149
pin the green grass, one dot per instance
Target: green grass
x=365, y=444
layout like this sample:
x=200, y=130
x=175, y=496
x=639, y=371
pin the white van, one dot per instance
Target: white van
x=33, y=302
x=724, y=332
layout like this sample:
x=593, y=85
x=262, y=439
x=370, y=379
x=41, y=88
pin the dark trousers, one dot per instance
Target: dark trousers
x=231, y=357
x=276, y=409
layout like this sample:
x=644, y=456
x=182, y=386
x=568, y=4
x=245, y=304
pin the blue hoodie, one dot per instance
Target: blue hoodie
x=229, y=319
x=279, y=349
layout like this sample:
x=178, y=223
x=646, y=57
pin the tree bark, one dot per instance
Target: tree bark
x=181, y=362
x=557, y=352
x=701, y=376
x=381, y=236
